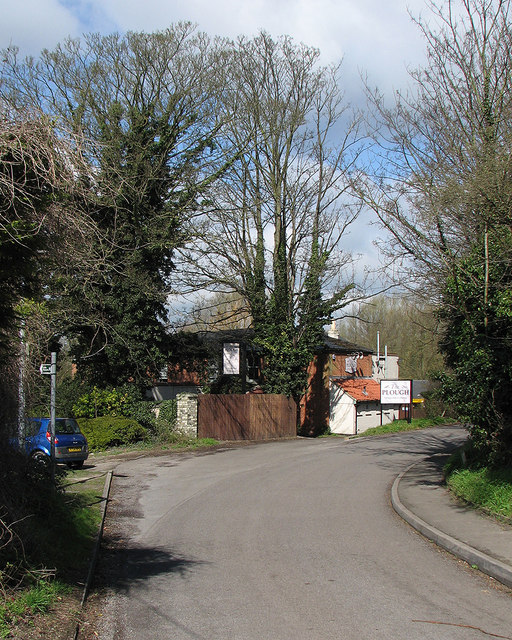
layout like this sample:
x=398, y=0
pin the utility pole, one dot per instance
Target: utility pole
x=21, y=388
x=53, y=387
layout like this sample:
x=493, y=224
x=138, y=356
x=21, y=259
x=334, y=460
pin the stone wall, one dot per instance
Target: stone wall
x=187, y=414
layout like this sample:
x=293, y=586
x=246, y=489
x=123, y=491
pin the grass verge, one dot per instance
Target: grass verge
x=398, y=426
x=177, y=442
x=50, y=540
x=487, y=489
x=189, y=443
x=51, y=559
x=22, y=607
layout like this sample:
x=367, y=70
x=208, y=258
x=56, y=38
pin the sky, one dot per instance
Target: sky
x=374, y=38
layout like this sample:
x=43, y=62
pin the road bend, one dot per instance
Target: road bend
x=291, y=540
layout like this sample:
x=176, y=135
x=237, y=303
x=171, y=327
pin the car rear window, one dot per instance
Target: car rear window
x=66, y=426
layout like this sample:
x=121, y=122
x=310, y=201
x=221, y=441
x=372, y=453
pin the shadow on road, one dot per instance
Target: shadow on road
x=423, y=444
x=123, y=566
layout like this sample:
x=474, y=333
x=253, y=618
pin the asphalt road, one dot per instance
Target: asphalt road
x=292, y=540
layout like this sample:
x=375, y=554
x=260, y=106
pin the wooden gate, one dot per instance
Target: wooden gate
x=246, y=417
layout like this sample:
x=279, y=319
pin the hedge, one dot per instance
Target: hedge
x=111, y=431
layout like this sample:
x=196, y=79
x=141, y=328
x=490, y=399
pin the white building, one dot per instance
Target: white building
x=355, y=406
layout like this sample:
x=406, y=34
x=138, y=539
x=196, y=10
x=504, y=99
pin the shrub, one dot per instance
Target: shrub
x=68, y=391
x=103, y=402
x=143, y=411
x=111, y=431
x=166, y=421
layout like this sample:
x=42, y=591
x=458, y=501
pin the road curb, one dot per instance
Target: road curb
x=97, y=544
x=485, y=563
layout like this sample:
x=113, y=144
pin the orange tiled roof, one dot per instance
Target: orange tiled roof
x=362, y=390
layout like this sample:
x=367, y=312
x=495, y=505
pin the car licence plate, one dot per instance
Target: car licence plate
x=74, y=449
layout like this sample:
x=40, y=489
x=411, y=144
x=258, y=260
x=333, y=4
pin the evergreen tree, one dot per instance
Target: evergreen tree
x=146, y=104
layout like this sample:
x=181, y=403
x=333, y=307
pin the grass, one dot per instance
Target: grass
x=39, y=599
x=487, y=489
x=176, y=442
x=67, y=534
x=398, y=426
x=60, y=531
x=484, y=488
x=184, y=442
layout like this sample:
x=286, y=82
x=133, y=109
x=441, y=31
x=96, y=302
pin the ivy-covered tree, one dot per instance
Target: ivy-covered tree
x=32, y=182
x=146, y=103
x=476, y=341
x=289, y=344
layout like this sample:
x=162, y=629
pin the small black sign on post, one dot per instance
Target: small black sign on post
x=51, y=370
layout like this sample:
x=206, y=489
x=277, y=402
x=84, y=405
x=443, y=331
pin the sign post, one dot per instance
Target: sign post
x=51, y=370
x=397, y=392
x=53, y=387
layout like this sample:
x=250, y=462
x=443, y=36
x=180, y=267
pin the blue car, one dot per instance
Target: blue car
x=70, y=443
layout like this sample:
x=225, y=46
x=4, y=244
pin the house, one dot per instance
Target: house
x=174, y=380
x=344, y=388
x=355, y=406
x=203, y=365
x=342, y=373
x=335, y=359
x=385, y=366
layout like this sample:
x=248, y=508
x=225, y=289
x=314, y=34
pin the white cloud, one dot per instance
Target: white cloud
x=35, y=24
x=372, y=36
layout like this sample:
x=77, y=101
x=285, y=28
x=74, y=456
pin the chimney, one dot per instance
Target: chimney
x=333, y=331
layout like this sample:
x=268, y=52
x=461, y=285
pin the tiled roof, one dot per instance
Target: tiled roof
x=361, y=389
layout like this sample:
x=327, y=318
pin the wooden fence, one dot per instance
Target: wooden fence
x=246, y=417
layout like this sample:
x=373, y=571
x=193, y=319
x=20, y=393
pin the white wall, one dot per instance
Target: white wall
x=342, y=415
x=368, y=416
x=390, y=412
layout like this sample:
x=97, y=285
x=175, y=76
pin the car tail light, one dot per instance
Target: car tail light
x=49, y=438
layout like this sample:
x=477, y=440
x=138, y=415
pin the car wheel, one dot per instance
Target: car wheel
x=40, y=458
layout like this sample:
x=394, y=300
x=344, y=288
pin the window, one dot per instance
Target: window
x=253, y=365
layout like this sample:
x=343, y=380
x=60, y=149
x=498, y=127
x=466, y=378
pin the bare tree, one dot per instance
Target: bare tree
x=43, y=224
x=407, y=326
x=441, y=162
x=441, y=185
x=289, y=183
x=272, y=225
